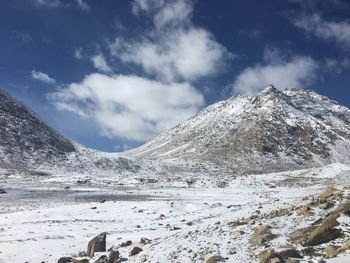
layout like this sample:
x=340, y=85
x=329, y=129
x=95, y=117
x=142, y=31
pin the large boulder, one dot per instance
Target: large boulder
x=262, y=235
x=97, y=244
x=135, y=251
x=269, y=256
x=331, y=251
x=113, y=256
x=318, y=234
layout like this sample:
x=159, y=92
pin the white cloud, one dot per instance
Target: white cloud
x=100, y=63
x=129, y=106
x=328, y=30
x=182, y=54
x=42, y=77
x=146, y=5
x=174, y=50
x=283, y=73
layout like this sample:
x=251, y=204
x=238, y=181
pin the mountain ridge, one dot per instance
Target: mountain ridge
x=275, y=130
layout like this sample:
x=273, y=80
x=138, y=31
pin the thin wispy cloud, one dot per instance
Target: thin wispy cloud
x=100, y=63
x=59, y=3
x=78, y=53
x=328, y=30
x=40, y=76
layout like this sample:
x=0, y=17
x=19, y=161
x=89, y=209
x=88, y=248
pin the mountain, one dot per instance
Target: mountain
x=274, y=131
x=26, y=142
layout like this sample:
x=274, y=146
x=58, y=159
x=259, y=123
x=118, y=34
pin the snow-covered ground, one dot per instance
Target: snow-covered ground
x=183, y=224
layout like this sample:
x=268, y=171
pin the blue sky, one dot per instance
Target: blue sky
x=113, y=74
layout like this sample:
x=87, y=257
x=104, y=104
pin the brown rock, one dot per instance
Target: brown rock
x=267, y=255
x=331, y=251
x=306, y=211
x=236, y=223
x=345, y=246
x=97, y=244
x=320, y=233
x=214, y=259
x=329, y=192
x=84, y=260
x=135, y=251
x=262, y=235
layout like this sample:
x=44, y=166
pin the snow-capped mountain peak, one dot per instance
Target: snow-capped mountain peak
x=275, y=130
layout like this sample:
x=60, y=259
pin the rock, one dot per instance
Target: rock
x=262, y=235
x=126, y=243
x=326, y=205
x=331, y=251
x=97, y=244
x=214, y=259
x=65, y=260
x=236, y=223
x=325, y=232
x=267, y=256
x=289, y=253
x=102, y=259
x=345, y=246
x=144, y=241
x=318, y=234
x=3, y=191
x=135, y=251
x=329, y=192
x=113, y=256
x=306, y=211
x=84, y=260
x=82, y=254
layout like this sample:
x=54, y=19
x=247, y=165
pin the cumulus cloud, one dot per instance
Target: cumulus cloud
x=184, y=54
x=129, y=106
x=175, y=49
x=327, y=30
x=100, y=63
x=172, y=54
x=295, y=72
x=37, y=75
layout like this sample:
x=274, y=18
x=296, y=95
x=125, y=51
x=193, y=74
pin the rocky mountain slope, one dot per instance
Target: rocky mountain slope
x=28, y=143
x=274, y=131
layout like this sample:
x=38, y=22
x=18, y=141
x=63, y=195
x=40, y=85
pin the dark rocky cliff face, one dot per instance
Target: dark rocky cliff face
x=24, y=138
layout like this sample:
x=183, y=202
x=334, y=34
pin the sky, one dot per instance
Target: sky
x=114, y=74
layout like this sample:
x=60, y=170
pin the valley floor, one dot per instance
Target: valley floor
x=183, y=224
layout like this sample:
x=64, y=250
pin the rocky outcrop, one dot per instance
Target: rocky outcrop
x=262, y=235
x=97, y=244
